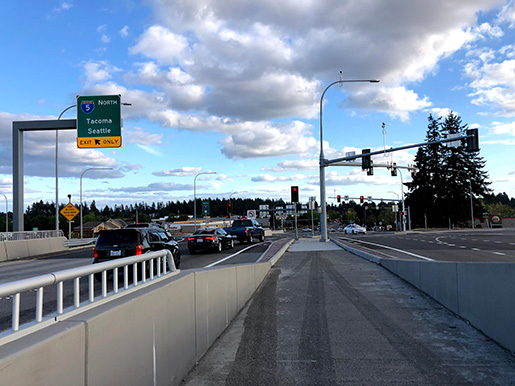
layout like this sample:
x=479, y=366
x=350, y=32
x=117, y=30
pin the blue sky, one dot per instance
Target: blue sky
x=234, y=87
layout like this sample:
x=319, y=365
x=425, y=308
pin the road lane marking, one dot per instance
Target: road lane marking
x=499, y=253
x=475, y=249
x=231, y=256
x=393, y=249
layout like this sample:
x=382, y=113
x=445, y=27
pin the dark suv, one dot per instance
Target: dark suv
x=118, y=243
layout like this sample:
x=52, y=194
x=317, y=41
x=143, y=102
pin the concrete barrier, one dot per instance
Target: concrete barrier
x=153, y=336
x=21, y=249
x=482, y=293
x=3, y=252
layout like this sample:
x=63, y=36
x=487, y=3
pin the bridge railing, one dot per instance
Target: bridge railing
x=138, y=269
x=14, y=236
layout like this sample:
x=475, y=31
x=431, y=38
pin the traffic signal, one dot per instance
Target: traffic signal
x=294, y=194
x=472, y=141
x=338, y=198
x=361, y=199
x=366, y=162
x=229, y=208
x=394, y=170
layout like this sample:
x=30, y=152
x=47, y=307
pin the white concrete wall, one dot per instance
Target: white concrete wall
x=152, y=336
x=20, y=249
x=482, y=293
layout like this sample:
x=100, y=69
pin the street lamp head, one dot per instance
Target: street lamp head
x=374, y=81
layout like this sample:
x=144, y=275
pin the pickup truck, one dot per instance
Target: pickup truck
x=246, y=230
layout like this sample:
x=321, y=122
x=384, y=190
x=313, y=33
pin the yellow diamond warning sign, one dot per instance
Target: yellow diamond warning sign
x=69, y=211
x=89, y=142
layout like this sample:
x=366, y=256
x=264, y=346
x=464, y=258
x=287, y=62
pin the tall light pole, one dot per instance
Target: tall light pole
x=57, y=170
x=6, y=216
x=323, y=213
x=403, y=224
x=396, y=226
x=106, y=168
x=195, y=197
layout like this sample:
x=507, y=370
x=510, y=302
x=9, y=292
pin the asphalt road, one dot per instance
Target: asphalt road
x=327, y=317
x=480, y=245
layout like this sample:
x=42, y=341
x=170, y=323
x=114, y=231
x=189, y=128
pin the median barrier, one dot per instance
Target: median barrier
x=481, y=293
x=18, y=249
x=153, y=335
x=3, y=253
x=21, y=249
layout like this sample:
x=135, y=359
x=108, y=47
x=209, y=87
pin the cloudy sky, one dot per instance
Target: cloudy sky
x=234, y=87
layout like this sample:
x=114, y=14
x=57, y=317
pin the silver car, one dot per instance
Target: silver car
x=354, y=229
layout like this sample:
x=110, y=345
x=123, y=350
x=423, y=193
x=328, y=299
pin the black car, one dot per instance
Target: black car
x=210, y=238
x=118, y=243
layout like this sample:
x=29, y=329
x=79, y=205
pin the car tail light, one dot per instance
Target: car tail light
x=139, y=249
x=191, y=238
x=210, y=238
x=95, y=253
x=246, y=230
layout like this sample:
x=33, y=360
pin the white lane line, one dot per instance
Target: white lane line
x=475, y=249
x=451, y=245
x=499, y=253
x=230, y=256
x=463, y=246
x=395, y=249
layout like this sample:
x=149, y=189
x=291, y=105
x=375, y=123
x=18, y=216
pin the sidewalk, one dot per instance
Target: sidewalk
x=326, y=317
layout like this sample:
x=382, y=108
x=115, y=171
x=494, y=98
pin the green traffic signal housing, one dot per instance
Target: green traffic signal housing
x=472, y=141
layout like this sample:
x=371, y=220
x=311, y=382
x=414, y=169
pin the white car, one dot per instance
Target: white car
x=354, y=229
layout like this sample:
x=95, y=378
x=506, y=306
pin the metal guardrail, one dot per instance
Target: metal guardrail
x=14, y=236
x=164, y=265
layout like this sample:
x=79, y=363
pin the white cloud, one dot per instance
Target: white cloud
x=398, y=102
x=96, y=72
x=124, y=32
x=270, y=178
x=503, y=128
x=270, y=140
x=157, y=42
x=185, y=171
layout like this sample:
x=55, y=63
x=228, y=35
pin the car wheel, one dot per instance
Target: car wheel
x=262, y=238
x=177, y=259
x=231, y=244
x=219, y=247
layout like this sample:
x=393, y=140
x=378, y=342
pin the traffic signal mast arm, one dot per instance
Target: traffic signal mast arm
x=472, y=134
x=368, y=199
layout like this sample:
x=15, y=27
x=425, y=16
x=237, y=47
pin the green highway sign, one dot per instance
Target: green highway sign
x=205, y=208
x=99, y=122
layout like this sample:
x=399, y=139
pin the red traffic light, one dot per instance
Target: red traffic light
x=361, y=199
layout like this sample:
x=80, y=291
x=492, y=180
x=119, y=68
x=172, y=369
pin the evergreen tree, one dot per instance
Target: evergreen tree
x=440, y=190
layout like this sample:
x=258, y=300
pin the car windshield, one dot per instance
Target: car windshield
x=242, y=223
x=122, y=238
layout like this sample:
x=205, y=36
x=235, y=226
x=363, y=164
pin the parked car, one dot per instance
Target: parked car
x=210, y=238
x=246, y=230
x=354, y=229
x=119, y=243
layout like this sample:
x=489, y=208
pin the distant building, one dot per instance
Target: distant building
x=91, y=228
